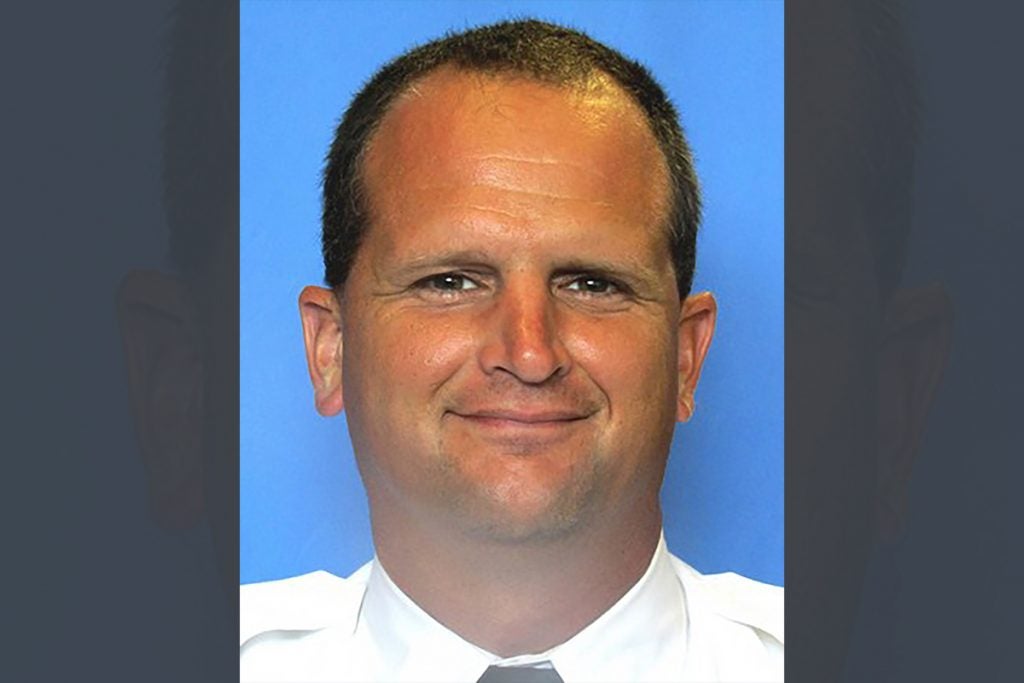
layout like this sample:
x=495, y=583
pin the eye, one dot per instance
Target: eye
x=446, y=286
x=591, y=284
x=449, y=282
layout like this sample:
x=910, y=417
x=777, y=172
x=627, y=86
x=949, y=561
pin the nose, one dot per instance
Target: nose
x=524, y=338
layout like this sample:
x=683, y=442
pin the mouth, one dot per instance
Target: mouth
x=522, y=423
x=524, y=416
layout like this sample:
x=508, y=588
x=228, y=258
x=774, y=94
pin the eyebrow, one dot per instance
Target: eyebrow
x=457, y=258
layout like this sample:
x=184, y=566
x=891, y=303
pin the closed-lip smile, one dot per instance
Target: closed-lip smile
x=522, y=416
x=522, y=420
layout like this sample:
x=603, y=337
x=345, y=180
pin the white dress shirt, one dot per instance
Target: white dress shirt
x=674, y=624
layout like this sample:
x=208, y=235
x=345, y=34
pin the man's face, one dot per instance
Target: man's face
x=510, y=327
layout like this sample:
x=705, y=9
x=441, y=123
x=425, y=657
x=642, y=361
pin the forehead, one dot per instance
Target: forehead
x=475, y=130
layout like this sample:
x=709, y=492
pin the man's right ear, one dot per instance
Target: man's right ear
x=321, y=331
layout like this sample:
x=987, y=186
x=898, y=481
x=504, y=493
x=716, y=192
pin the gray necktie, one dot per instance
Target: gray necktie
x=519, y=674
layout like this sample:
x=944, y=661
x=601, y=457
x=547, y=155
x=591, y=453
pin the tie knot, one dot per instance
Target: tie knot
x=520, y=674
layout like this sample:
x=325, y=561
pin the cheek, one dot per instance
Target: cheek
x=392, y=371
x=633, y=363
x=415, y=355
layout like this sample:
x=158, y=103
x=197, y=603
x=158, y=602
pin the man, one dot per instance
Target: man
x=509, y=226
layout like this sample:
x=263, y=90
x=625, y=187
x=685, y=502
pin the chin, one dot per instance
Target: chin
x=519, y=516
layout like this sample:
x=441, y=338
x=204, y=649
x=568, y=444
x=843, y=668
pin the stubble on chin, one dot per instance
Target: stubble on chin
x=511, y=511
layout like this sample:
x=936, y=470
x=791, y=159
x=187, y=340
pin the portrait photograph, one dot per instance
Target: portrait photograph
x=454, y=255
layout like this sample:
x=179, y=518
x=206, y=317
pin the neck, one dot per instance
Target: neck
x=521, y=597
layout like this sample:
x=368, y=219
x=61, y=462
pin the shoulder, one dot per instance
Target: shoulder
x=737, y=623
x=758, y=605
x=293, y=629
x=303, y=603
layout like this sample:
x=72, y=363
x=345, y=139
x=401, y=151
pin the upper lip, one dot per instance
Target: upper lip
x=524, y=415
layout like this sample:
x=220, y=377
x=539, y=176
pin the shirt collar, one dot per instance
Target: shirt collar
x=642, y=636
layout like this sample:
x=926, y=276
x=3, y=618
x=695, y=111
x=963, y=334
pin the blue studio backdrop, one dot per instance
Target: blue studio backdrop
x=302, y=504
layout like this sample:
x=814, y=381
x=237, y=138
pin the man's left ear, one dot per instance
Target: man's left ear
x=163, y=358
x=696, y=327
x=917, y=334
x=320, y=311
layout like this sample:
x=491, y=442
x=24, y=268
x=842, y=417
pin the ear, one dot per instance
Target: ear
x=165, y=384
x=918, y=329
x=321, y=331
x=696, y=327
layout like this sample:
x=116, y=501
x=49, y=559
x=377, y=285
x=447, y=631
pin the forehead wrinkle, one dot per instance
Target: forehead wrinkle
x=537, y=160
x=499, y=172
x=510, y=190
x=485, y=209
x=503, y=159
